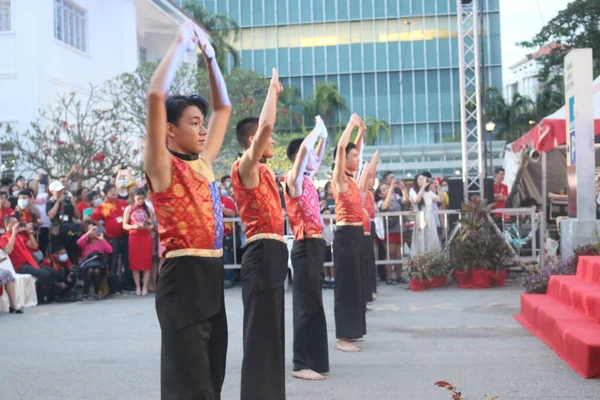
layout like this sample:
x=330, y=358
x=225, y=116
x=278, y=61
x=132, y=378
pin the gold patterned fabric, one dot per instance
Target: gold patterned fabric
x=259, y=208
x=189, y=212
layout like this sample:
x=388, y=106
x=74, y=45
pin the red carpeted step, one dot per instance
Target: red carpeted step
x=588, y=269
x=573, y=335
x=577, y=294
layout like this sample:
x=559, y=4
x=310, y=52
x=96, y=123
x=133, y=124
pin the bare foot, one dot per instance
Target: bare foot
x=346, y=346
x=308, y=374
x=356, y=340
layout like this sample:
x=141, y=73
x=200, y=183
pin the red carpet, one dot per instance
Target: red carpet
x=567, y=318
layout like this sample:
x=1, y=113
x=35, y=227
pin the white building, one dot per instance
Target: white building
x=50, y=47
x=522, y=77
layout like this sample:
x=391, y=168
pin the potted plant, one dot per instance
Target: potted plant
x=427, y=271
x=478, y=254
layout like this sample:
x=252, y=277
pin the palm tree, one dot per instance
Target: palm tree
x=325, y=101
x=550, y=99
x=223, y=31
x=374, y=128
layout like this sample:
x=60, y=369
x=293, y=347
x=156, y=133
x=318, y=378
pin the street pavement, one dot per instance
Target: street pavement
x=111, y=350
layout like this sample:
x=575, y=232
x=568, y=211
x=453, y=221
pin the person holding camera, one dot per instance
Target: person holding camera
x=62, y=213
x=18, y=242
x=94, y=249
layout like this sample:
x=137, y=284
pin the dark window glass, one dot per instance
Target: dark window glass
x=257, y=12
x=420, y=96
x=295, y=61
x=319, y=60
x=368, y=57
x=294, y=12
x=332, y=62
x=356, y=56
x=433, y=96
x=357, y=94
x=408, y=101
x=307, y=60
x=344, y=58
x=432, y=53
x=283, y=62
x=419, y=54
x=381, y=58
x=395, y=91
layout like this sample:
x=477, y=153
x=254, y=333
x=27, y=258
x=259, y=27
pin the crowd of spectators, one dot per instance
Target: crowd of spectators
x=62, y=238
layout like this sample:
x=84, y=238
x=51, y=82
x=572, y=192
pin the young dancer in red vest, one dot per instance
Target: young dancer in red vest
x=349, y=299
x=311, y=357
x=264, y=264
x=189, y=297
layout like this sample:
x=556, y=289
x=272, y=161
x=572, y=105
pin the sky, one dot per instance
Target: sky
x=521, y=20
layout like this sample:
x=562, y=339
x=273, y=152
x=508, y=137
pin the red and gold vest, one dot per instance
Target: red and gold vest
x=259, y=208
x=348, y=205
x=304, y=213
x=189, y=212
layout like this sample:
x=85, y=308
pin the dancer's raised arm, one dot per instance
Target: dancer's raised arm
x=217, y=125
x=339, y=170
x=157, y=161
x=261, y=139
x=305, y=155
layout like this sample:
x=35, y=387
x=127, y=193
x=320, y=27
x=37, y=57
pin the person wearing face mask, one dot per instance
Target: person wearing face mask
x=444, y=193
x=92, y=200
x=66, y=279
x=123, y=179
x=14, y=196
x=27, y=213
x=111, y=213
x=226, y=182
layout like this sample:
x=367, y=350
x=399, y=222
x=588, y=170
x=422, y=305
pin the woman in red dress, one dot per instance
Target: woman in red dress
x=138, y=219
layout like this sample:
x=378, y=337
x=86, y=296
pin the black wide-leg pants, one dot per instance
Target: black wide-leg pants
x=310, y=326
x=263, y=272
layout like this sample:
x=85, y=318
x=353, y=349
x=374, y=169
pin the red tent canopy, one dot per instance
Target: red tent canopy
x=551, y=131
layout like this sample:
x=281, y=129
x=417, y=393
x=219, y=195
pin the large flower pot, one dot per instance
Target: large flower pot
x=463, y=279
x=481, y=279
x=497, y=278
x=418, y=285
x=438, y=281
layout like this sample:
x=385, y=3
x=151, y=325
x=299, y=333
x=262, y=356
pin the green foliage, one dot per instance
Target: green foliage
x=425, y=266
x=75, y=131
x=325, y=101
x=477, y=245
x=223, y=30
x=574, y=27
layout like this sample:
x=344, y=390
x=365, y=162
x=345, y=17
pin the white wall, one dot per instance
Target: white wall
x=37, y=66
x=524, y=77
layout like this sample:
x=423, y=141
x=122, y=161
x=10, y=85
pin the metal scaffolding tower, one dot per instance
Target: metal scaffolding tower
x=473, y=155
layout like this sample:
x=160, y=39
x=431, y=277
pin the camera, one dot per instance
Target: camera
x=68, y=200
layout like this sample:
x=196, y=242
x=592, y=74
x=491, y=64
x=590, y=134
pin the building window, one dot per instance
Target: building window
x=4, y=15
x=70, y=24
x=143, y=54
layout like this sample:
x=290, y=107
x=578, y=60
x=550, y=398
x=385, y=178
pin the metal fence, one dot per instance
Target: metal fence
x=523, y=229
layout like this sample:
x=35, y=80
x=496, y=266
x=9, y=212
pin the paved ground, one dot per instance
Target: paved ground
x=110, y=350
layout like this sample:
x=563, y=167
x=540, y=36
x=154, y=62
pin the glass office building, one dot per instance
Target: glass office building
x=393, y=60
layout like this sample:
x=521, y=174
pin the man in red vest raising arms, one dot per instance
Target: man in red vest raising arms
x=311, y=357
x=264, y=264
x=349, y=298
x=189, y=297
